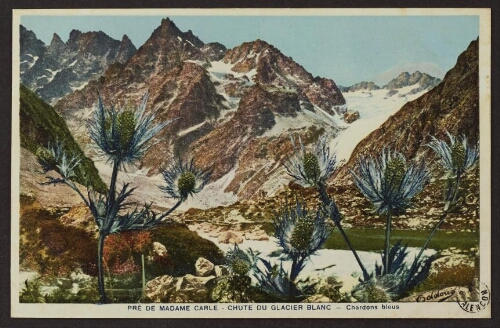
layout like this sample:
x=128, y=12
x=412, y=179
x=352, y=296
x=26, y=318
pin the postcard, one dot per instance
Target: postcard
x=251, y=163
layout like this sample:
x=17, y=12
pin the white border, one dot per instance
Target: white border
x=338, y=310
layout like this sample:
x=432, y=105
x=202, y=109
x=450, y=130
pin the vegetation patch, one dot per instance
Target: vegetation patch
x=184, y=248
x=373, y=239
x=40, y=126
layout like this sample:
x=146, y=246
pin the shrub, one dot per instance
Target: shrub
x=184, y=248
x=446, y=276
x=50, y=247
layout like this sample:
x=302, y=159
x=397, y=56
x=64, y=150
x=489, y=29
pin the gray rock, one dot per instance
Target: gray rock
x=204, y=267
x=187, y=289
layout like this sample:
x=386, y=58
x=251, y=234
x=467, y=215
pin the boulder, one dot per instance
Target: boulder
x=79, y=216
x=159, y=250
x=260, y=235
x=230, y=237
x=160, y=288
x=192, y=289
x=187, y=289
x=221, y=270
x=351, y=116
x=204, y=267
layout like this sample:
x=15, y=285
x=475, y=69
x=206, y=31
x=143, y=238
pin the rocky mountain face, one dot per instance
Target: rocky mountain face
x=230, y=109
x=452, y=106
x=277, y=70
x=417, y=80
x=368, y=86
x=404, y=84
x=55, y=70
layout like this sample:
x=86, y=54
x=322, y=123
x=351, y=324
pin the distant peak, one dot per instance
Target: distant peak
x=126, y=39
x=166, y=22
x=167, y=28
x=56, y=39
x=74, y=34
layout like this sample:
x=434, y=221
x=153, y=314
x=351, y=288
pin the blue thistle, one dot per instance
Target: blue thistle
x=301, y=233
x=55, y=158
x=184, y=179
x=457, y=156
x=123, y=135
x=389, y=183
x=311, y=167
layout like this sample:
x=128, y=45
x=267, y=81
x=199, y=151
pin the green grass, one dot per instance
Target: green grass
x=373, y=239
x=41, y=125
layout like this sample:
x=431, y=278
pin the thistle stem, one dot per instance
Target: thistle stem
x=457, y=184
x=112, y=185
x=436, y=227
x=75, y=188
x=387, y=241
x=366, y=276
x=179, y=202
x=100, y=271
x=335, y=217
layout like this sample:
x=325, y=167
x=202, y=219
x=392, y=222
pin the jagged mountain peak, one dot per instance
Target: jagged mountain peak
x=406, y=79
x=246, y=54
x=74, y=35
x=56, y=44
x=126, y=39
x=55, y=70
x=168, y=30
x=29, y=43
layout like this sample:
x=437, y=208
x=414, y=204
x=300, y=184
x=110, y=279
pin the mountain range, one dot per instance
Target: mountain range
x=55, y=70
x=417, y=82
x=231, y=109
x=240, y=102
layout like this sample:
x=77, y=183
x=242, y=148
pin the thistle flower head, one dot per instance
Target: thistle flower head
x=184, y=179
x=378, y=289
x=123, y=135
x=300, y=233
x=389, y=182
x=457, y=156
x=309, y=167
x=55, y=158
x=238, y=261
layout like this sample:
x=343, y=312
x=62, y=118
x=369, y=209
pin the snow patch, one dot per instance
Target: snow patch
x=80, y=87
x=325, y=263
x=374, y=109
x=192, y=128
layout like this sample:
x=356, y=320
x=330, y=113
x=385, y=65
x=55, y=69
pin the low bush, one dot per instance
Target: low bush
x=184, y=248
x=448, y=276
x=51, y=248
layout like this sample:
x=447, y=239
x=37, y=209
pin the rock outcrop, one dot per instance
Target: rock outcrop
x=56, y=70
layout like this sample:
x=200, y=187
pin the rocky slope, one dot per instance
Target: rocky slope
x=40, y=126
x=360, y=86
x=417, y=80
x=57, y=69
x=451, y=106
